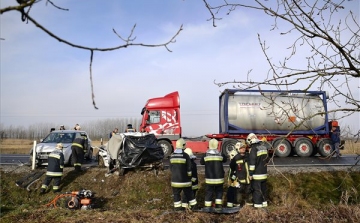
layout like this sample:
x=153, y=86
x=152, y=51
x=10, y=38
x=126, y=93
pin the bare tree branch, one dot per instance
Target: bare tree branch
x=128, y=42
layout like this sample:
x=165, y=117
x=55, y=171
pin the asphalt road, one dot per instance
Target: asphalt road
x=345, y=160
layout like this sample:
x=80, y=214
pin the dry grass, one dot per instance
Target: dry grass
x=23, y=146
x=142, y=197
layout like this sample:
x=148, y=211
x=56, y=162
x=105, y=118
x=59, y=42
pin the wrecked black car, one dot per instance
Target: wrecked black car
x=131, y=151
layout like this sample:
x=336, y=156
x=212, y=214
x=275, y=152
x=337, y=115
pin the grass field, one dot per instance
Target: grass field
x=22, y=146
x=142, y=196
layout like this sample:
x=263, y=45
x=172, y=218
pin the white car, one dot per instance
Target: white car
x=66, y=137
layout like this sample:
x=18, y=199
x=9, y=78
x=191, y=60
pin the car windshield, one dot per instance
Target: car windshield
x=57, y=137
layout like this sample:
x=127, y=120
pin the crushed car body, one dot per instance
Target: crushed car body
x=131, y=150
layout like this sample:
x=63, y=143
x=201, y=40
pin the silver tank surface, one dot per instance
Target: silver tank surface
x=274, y=111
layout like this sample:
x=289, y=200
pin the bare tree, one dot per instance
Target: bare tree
x=332, y=43
x=25, y=6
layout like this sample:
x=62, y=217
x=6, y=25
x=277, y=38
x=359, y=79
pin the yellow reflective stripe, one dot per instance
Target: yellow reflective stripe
x=189, y=173
x=181, y=184
x=252, y=167
x=195, y=187
x=77, y=164
x=193, y=179
x=218, y=201
x=208, y=203
x=54, y=174
x=213, y=158
x=177, y=204
x=214, y=181
x=77, y=144
x=260, y=176
x=53, y=155
x=61, y=167
x=192, y=202
x=177, y=160
x=240, y=161
x=261, y=152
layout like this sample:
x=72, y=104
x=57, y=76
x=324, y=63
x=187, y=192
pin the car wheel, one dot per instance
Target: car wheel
x=101, y=162
x=89, y=155
x=71, y=161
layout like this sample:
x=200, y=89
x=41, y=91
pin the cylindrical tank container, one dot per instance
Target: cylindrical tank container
x=272, y=112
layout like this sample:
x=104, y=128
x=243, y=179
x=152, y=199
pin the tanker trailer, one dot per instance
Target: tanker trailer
x=290, y=121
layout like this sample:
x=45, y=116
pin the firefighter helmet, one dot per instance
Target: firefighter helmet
x=190, y=153
x=213, y=144
x=180, y=143
x=239, y=145
x=251, y=139
x=232, y=154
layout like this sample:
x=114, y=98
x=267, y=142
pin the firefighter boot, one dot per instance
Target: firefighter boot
x=78, y=169
x=218, y=208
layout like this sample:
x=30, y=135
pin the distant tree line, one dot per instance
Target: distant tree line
x=96, y=129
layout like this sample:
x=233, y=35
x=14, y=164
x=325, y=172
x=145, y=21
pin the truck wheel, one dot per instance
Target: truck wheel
x=282, y=147
x=324, y=147
x=304, y=147
x=166, y=146
x=228, y=146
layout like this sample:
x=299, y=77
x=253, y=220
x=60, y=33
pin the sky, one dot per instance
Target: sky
x=43, y=80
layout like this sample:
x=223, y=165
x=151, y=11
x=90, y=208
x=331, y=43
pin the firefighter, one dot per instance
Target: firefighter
x=258, y=160
x=194, y=177
x=232, y=183
x=335, y=138
x=130, y=128
x=240, y=168
x=77, y=127
x=54, y=169
x=114, y=132
x=79, y=148
x=214, y=175
x=181, y=173
x=62, y=127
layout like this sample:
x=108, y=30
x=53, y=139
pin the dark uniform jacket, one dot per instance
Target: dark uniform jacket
x=180, y=167
x=194, y=176
x=258, y=161
x=335, y=136
x=214, y=169
x=55, y=163
x=81, y=143
x=240, y=168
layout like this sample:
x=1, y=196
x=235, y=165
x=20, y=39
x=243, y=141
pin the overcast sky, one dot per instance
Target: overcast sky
x=43, y=80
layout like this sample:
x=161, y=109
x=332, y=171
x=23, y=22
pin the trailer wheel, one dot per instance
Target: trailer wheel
x=228, y=146
x=282, y=147
x=304, y=147
x=324, y=147
x=166, y=146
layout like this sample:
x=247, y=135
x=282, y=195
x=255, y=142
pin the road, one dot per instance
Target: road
x=345, y=160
